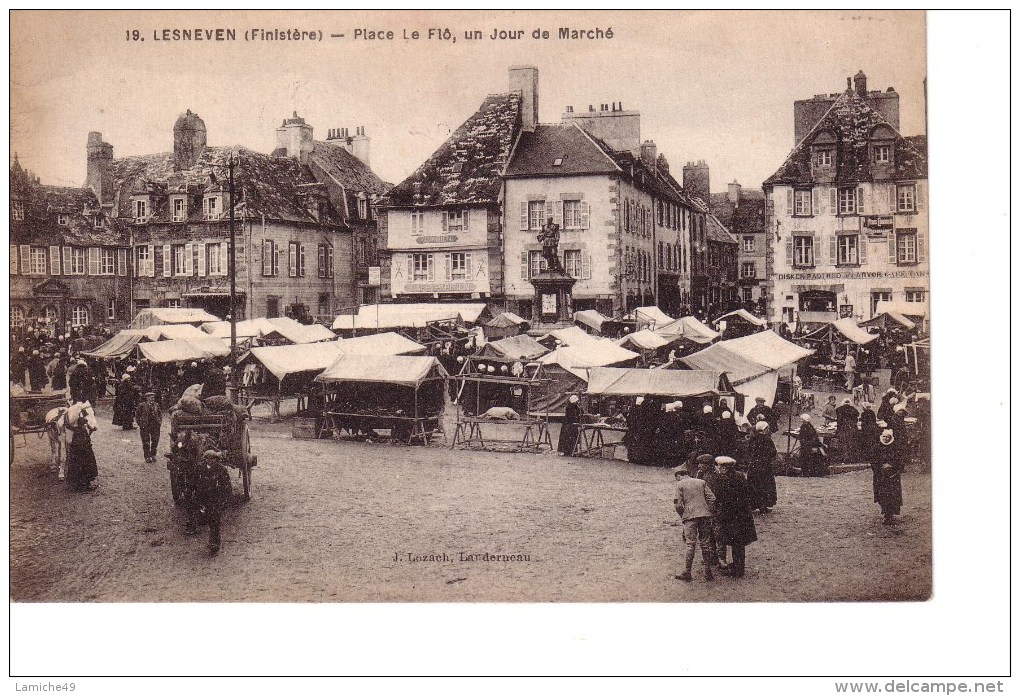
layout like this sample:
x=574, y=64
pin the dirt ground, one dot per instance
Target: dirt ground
x=336, y=522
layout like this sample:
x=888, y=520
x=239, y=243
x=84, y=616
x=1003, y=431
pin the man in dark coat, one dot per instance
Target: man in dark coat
x=672, y=427
x=760, y=409
x=79, y=379
x=642, y=424
x=733, y=513
x=761, y=477
x=36, y=371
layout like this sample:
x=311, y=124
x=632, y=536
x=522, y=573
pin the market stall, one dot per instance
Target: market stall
x=362, y=394
x=521, y=347
x=647, y=343
x=607, y=387
x=506, y=324
x=749, y=378
x=836, y=341
x=494, y=393
x=567, y=336
x=156, y=316
x=689, y=328
x=566, y=370
x=650, y=318
x=598, y=324
x=739, y=323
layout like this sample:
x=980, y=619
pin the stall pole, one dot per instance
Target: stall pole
x=233, y=291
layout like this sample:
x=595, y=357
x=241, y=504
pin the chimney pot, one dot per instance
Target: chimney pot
x=524, y=79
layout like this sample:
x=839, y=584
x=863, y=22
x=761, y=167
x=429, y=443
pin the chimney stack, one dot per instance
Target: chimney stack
x=294, y=137
x=861, y=83
x=649, y=153
x=696, y=180
x=359, y=144
x=189, y=140
x=733, y=193
x=524, y=79
x=99, y=167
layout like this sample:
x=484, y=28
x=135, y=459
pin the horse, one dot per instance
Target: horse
x=61, y=424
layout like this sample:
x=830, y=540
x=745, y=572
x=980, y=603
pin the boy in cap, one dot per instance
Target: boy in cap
x=694, y=502
x=150, y=420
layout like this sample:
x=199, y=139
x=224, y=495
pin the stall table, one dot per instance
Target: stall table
x=591, y=439
x=422, y=427
x=469, y=434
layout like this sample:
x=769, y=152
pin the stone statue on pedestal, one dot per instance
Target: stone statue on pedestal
x=549, y=235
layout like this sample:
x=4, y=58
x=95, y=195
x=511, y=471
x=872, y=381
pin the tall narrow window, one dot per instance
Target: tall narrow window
x=536, y=215
x=141, y=211
x=803, y=251
x=906, y=198
x=180, y=212
x=18, y=210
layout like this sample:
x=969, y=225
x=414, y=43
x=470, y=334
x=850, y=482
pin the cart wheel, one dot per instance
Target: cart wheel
x=246, y=462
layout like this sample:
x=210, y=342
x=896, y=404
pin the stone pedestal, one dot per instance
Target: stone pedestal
x=552, y=297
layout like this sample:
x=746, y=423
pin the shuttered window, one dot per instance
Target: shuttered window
x=54, y=260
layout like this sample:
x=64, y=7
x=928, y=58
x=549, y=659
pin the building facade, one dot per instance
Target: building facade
x=443, y=227
x=69, y=261
x=847, y=215
x=295, y=250
x=742, y=212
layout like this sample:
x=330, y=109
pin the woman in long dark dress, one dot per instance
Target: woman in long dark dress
x=887, y=467
x=812, y=457
x=81, y=460
x=726, y=433
x=761, y=478
x=568, y=432
x=867, y=436
x=125, y=403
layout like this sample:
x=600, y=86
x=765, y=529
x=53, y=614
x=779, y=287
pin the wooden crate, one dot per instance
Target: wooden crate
x=304, y=428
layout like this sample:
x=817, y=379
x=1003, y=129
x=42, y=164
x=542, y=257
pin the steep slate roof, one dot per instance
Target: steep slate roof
x=43, y=203
x=748, y=216
x=467, y=167
x=275, y=187
x=334, y=166
x=536, y=152
x=717, y=233
x=851, y=120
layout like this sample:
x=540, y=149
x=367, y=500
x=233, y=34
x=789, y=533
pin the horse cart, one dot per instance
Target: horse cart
x=226, y=432
x=28, y=414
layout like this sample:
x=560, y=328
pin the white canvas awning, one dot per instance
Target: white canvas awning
x=650, y=315
x=642, y=340
x=614, y=381
x=183, y=349
x=768, y=348
x=404, y=370
x=165, y=315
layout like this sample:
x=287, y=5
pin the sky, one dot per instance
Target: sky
x=717, y=86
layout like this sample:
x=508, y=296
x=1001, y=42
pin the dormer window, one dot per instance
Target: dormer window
x=179, y=209
x=17, y=210
x=363, y=208
x=824, y=158
x=211, y=207
x=141, y=211
x=63, y=219
x=97, y=221
x=883, y=154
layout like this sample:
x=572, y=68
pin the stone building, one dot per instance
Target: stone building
x=69, y=262
x=847, y=214
x=713, y=248
x=742, y=212
x=293, y=211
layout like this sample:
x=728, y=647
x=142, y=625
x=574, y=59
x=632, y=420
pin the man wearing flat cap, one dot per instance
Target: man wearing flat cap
x=760, y=409
x=694, y=502
x=734, y=523
x=149, y=419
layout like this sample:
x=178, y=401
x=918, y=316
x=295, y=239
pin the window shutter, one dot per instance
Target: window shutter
x=524, y=215
x=166, y=261
x=14, y=258
x=292, y=260
x=584, y=215
x=276, y=259
x=467, y=219
x=789, y=251
x=322, y=261
x=833, y=254
x=203, y=253
x=860, y=200
x=150, y=267
x=891, y=198
x=224, y=260
x=922, y=254
x=815, y=202
x=789, y=202
x=448, y=263
x=816, y=252
x=26, y=252
x=833, y=201
x=267, y=257
x=524, y=265
x=93, y=260
x=410, y=268
x=892, y=247
x=468, y=272
x=301, y=260
x=189, y=257
x=68, y=270
x=585, y=265
x=122, y=269
x=558, y=213
x=917, y=198
x=446, y=220
x=55, y=260
x=431, y=268
x=862, y=249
